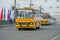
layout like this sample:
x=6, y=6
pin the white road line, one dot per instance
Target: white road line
x=55, y=37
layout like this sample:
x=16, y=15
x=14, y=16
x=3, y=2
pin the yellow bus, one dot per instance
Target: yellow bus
x=45, y=19
x=27, y=18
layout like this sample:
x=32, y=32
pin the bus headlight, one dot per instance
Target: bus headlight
x=31, y=23
x=16, y=23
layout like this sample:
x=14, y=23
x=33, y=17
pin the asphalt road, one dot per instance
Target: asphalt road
x=45, y=33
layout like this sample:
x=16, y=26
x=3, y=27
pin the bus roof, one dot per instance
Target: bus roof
x=26, y=8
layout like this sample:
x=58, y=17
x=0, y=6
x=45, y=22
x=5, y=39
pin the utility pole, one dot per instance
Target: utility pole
x=30, y=3
x=14, y=7
x=40, y=10
x=15, y=15
x=15, y=3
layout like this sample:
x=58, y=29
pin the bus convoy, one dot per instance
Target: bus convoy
x=27, y=18
x=45, y=19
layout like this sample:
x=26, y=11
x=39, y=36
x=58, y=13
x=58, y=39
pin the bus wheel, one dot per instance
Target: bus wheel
x=34, y=28
x=38, y=27
x=19, y=29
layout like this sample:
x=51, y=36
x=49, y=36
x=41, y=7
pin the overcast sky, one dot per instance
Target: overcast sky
x=37, y=3
x=24, y=3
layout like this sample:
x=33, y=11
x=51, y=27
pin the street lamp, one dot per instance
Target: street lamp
x=15, y=3
x=41, y=9
x=31, y=3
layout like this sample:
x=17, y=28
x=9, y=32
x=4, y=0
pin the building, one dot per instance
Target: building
x=51, y=6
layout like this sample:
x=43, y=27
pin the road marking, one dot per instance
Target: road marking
x=55, y=37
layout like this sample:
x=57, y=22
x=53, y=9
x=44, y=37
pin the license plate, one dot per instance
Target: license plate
x=43, y=22
x=24, y=25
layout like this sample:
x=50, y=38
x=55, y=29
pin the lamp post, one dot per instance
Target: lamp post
x=14, y=7
x=40, y=9
x=15, y=3
x=31, y=3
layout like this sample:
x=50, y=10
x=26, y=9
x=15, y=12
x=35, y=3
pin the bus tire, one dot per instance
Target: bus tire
x=34, y=28
x=19, y=29
x=38, y=27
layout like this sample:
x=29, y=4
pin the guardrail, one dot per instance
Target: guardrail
x=5, y=22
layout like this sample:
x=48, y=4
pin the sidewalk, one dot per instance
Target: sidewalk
x=7, y=25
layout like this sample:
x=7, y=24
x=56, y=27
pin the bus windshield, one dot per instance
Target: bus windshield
x=29, y=14
x=44, y=16
x=23, y=14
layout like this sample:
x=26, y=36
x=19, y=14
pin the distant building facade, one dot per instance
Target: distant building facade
x=51, y=6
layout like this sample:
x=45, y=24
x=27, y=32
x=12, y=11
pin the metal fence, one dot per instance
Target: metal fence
x=2, y=22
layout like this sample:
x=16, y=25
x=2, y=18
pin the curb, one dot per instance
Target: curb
x=7, y=25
